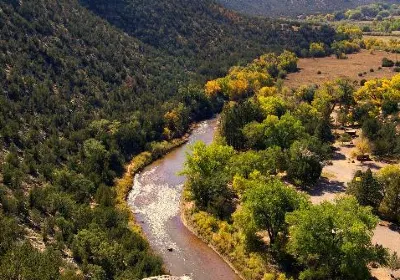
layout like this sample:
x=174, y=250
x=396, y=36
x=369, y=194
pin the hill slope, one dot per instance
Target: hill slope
x=77, y=97
x=205, y=37
x=277, y=8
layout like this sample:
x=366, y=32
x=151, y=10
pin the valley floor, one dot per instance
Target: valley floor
x=332, y=68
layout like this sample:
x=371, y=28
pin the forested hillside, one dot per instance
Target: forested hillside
x=203, y=36
x=276, y=8
x=79, y=97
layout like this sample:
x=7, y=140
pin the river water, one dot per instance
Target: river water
x=155, y=199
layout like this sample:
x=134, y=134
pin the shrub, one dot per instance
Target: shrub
x=387, y=62
x=371, y=70
x=319, y=72
x=345, y=137
x=396, y=69
x=317, y=50
x=341, y=55
x=282, y=74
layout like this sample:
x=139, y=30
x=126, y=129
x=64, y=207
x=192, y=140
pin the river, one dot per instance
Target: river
x=155, y=200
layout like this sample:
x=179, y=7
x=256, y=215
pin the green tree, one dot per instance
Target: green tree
x=304, y=165
x=27, y=263
x=274, y=131
x=367, y=190
x=269, y=161
x=234, y=118
x=346, y=92
x=207, y=172
x=389, y=177
x=345, y=137
x=96, y=159
x=10, y=232
x=272, y=105
x=323, y=131
x=333, y=240
x=268, y=201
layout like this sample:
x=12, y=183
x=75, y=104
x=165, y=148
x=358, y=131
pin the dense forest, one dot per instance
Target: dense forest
x=201, y=35
x=79, y=97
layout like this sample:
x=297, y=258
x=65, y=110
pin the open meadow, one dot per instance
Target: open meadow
x=332, y=68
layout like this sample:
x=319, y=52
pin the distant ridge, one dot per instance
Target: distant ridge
x=201, y=34
x=276, y=8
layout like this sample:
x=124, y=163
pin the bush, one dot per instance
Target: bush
x=282, y=74
x=317, y=50
x=387, y=62
x=345, y=137
x=389, y=106
x=396, y=69
x=319, y=72
x=371, y=70
x=341, y=56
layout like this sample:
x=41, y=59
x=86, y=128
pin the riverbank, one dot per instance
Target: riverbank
x=227, y=242
x=185, y=215
x=124, y=184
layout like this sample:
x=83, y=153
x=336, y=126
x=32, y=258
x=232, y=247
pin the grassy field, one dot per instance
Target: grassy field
x=332, y=68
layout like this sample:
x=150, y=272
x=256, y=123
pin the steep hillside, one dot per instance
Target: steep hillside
x=202, y=35
x=276, y=8
x=77, y=98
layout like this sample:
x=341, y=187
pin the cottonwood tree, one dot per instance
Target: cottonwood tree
x=304, y=164
x=267, y=201
x=207, y=174
x=389, y=177
x=333, y=240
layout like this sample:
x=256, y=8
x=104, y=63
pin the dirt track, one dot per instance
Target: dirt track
x=334, y=182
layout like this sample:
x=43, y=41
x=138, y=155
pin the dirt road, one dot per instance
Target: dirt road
x=334, y=182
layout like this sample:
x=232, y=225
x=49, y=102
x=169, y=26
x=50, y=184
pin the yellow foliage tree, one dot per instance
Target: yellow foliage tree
x=268, y=91
x=212, y=88
x=238, y=89
x=363, y=146
x=379, y=90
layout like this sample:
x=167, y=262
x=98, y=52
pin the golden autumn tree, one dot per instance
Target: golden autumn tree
x=212, y=88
